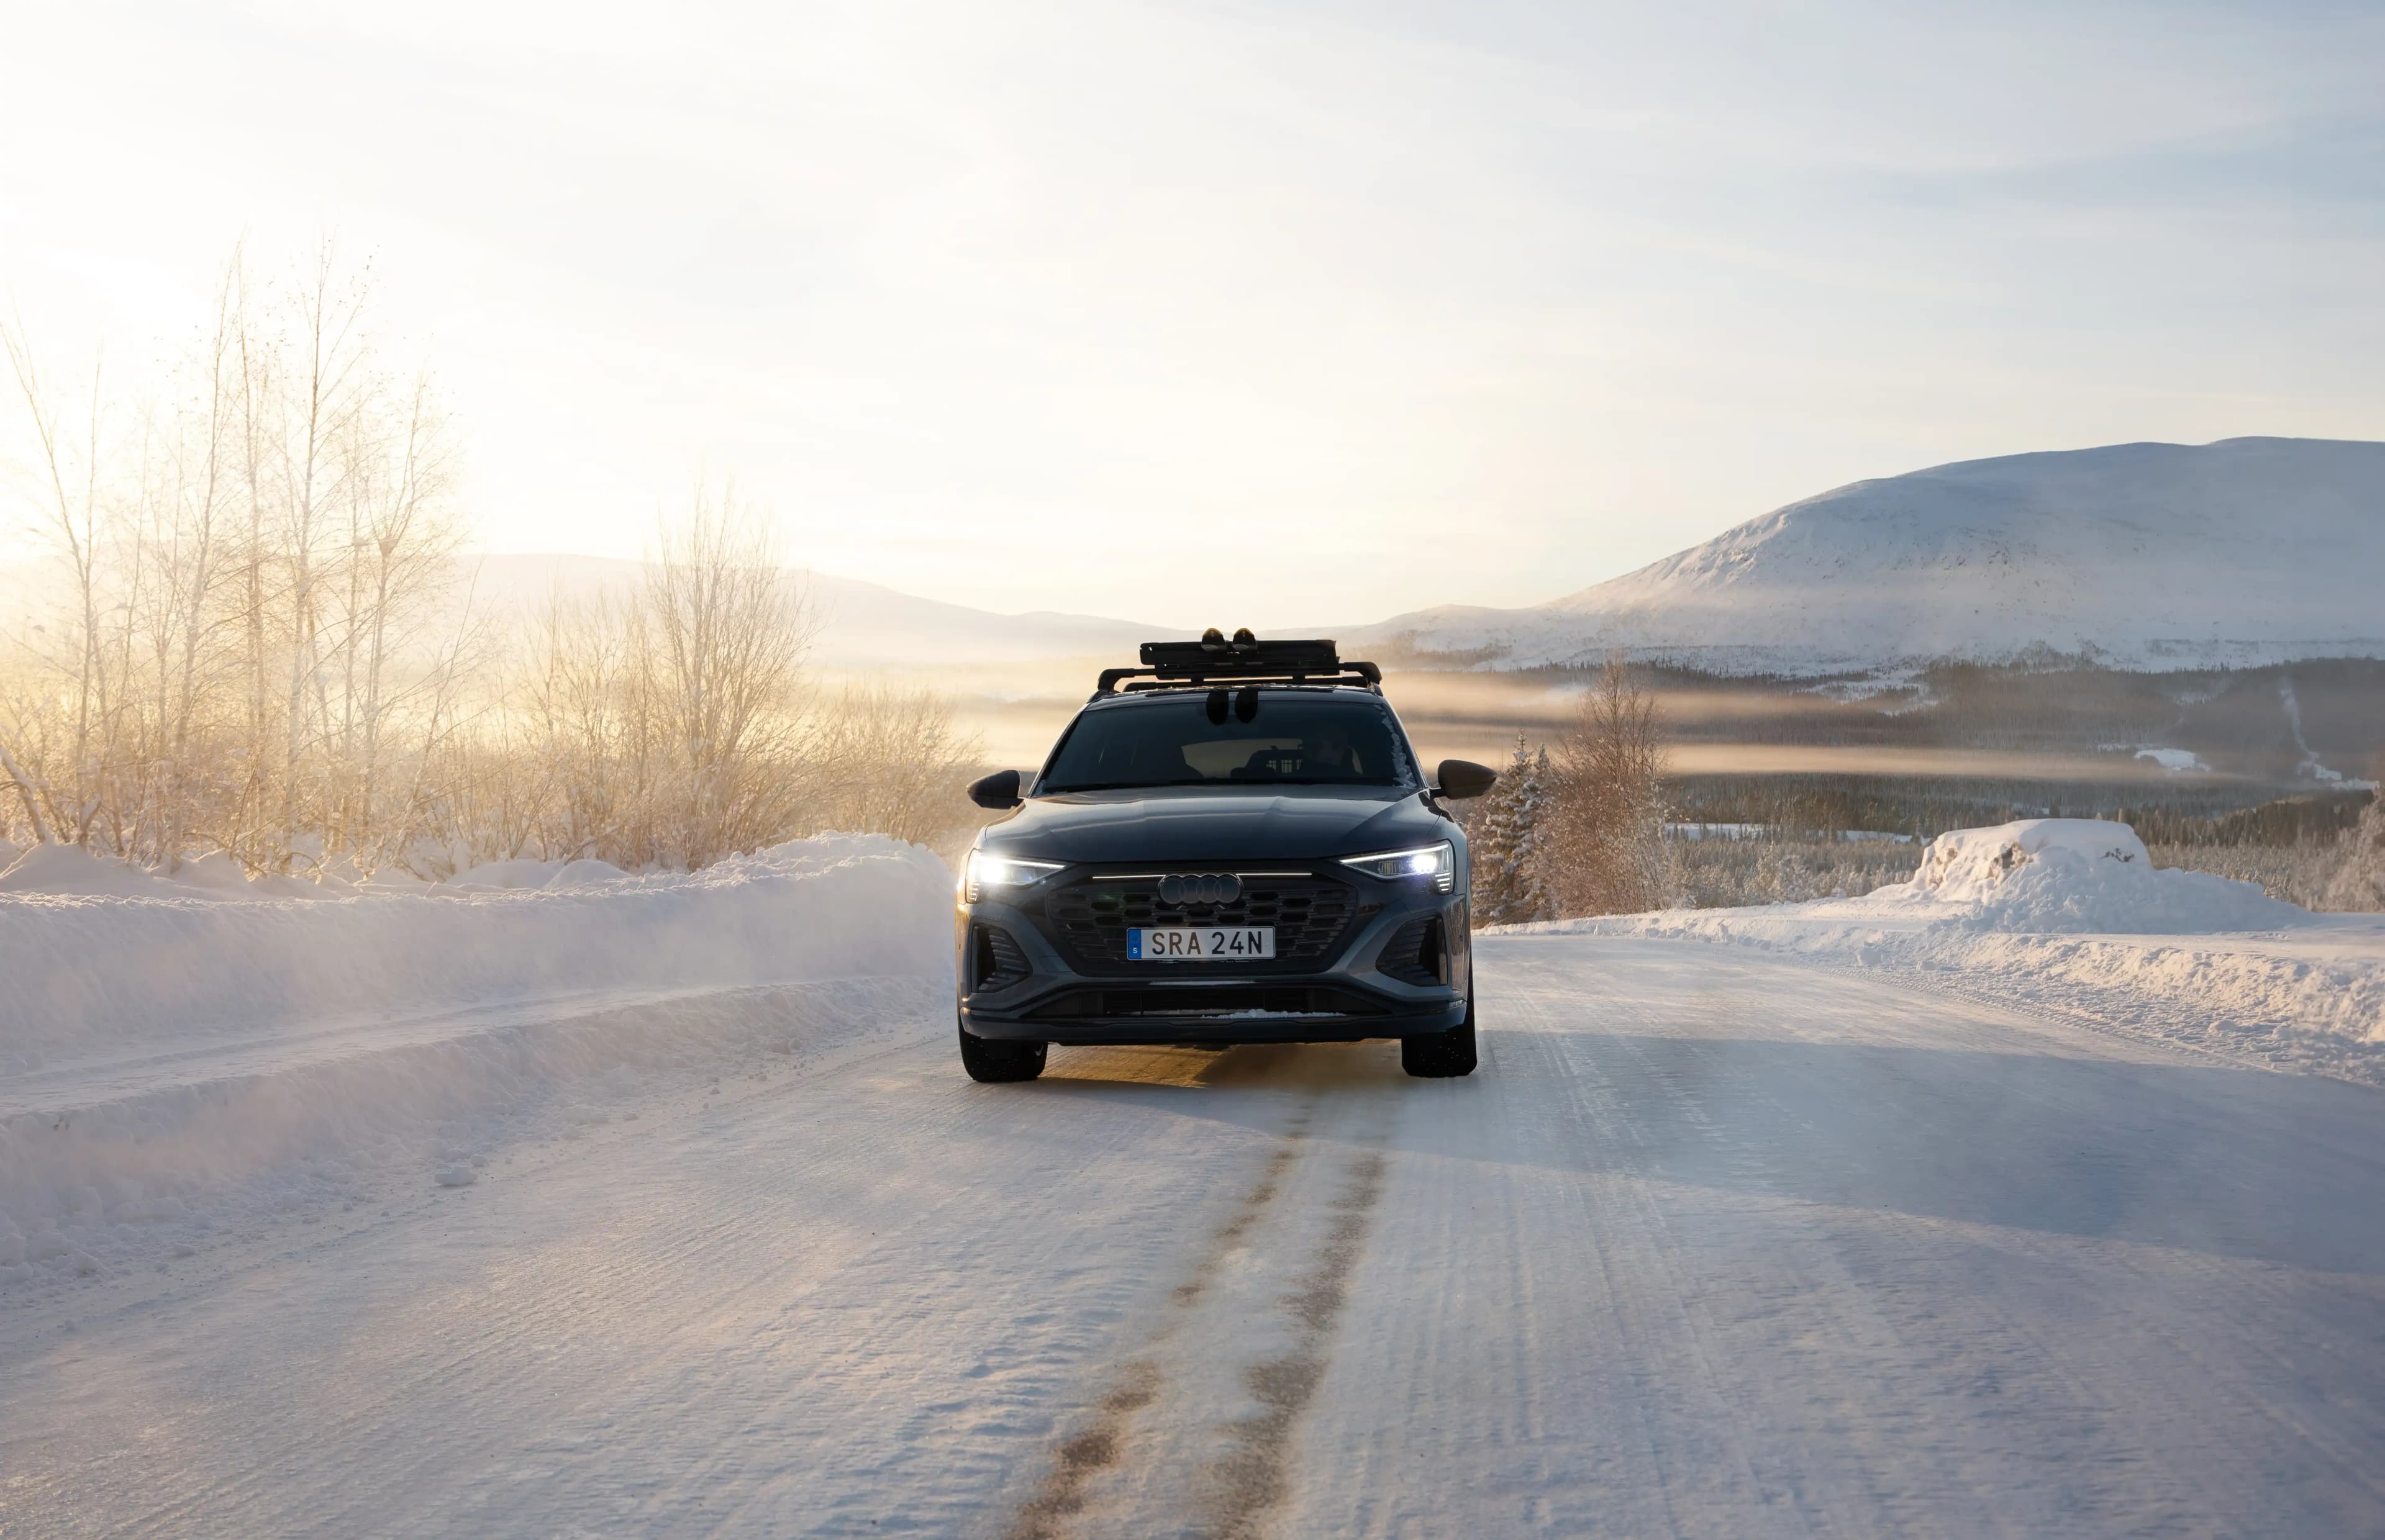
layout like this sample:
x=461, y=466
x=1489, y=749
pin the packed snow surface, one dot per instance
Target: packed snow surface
x=2147, y=555
x=560, y=1200
x=1717, y=1243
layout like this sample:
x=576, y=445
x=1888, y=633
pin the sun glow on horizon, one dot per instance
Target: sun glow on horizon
x=1109, y=309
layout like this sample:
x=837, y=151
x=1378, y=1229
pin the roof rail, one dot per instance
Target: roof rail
x=1242, y=660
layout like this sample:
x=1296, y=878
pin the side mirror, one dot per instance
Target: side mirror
x=998, y=791
x=1462, y=778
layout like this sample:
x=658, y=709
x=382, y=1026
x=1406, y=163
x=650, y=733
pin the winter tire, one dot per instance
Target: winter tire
x=1442, y=1055
x=999, y=1063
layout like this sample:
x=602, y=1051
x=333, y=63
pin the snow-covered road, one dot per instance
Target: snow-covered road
x=1718, y=1243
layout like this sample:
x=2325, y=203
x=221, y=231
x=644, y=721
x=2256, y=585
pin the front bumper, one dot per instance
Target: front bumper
x=1218, y=1028
x=1036, y=987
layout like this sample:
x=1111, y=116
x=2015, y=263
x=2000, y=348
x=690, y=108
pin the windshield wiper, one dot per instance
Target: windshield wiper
x=1129, y=786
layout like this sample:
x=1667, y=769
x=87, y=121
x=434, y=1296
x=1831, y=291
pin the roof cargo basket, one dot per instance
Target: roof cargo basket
x=1242, y=659
x=1214, y=657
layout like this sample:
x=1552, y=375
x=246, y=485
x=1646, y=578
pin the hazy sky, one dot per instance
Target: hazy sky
x=1307, y=311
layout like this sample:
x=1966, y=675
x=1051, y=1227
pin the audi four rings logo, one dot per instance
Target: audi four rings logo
x=1207, y=888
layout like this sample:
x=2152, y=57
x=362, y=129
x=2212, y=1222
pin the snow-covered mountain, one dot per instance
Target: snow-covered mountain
x=2148, y=556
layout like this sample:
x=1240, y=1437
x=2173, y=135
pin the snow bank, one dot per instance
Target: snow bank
x=63, y=869
x=67, y=871
x=2070, y=915
x=2069, y=875
x=128, y=958
x=174, y=1065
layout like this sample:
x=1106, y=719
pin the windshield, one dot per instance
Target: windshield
x=1286, y=739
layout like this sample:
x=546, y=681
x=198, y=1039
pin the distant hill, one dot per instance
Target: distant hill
x=2139, y=556
x=863, y=624
x=2241, y=554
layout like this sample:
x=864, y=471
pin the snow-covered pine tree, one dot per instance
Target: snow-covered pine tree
x=1531, y=894
x=2359, y=883
x=1491, y=840
x=1506, y=842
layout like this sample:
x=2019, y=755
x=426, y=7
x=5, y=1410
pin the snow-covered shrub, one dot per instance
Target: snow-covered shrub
x=1783, y=868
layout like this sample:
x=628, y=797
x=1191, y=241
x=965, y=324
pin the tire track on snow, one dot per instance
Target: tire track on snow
x=1230, y=1493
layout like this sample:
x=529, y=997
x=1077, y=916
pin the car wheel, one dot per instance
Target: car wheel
x=998, y=1064
x=1442, y=1055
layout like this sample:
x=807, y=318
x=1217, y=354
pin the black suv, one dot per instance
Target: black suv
x=1230, y=844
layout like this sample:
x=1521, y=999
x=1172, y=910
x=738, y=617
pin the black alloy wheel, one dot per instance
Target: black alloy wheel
x=996, y=1064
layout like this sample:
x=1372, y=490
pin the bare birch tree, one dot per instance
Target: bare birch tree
x=731, y=629
x=1606, y=847
x=253, y=648
x=71, y=510
x=887, y=760
x=242, y=591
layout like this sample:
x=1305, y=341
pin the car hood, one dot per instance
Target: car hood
x=1195, y=824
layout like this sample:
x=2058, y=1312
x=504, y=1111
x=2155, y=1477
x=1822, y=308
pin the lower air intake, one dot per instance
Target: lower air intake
x=1270, y=1000
x=996, y=962
x=1415, y=954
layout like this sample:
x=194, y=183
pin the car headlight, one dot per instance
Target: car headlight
x=987, y=870
x=1434, y=862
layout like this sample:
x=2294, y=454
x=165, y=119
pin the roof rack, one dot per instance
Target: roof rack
x=1242, y=660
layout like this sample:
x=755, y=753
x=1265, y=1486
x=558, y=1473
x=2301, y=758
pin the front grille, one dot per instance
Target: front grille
x=1090, y=918
x=1249, y=1000
x=1413, y=954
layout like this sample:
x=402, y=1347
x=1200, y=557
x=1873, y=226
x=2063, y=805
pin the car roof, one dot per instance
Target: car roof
x=1177, y=693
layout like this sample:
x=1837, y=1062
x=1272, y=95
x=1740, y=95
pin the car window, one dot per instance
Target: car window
x=1289, y=739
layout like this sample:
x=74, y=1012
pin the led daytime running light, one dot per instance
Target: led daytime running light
x=1435, y=862
x=987, y=870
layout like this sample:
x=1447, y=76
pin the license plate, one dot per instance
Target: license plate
x=1200, y=943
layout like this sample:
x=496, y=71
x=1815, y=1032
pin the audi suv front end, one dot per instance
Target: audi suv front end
x=1237, y=847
